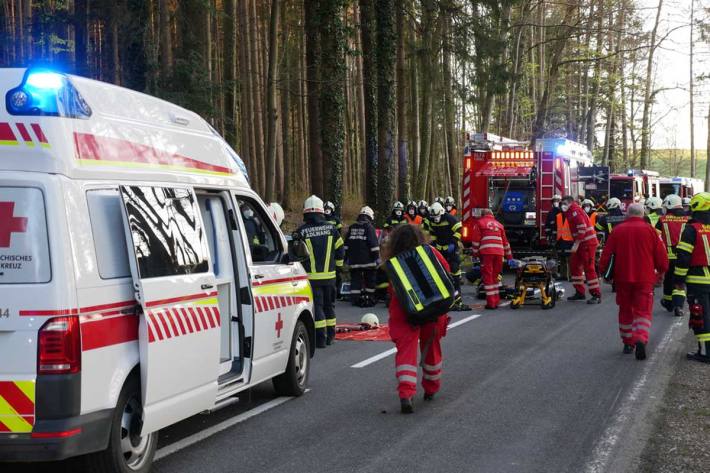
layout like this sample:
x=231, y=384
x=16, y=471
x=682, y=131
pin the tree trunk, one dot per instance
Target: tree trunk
x=707, y=162
x=386, y=57
x=81, y=32
x=691, y=92
x=369, y=72
x=449, y=108
x=313, y=65
x=426, y=80
x=229, y=71
x=402, y=111
x=166, y=41
x=648, y=95
x=271, y=101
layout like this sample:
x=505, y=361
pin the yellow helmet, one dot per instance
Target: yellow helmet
x=700, y=202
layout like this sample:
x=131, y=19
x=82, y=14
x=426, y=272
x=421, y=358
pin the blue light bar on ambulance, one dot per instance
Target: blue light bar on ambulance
x=46, y=93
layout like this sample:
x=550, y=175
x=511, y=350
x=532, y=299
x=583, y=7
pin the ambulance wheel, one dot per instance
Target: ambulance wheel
x=128, y=451
x=294, y=380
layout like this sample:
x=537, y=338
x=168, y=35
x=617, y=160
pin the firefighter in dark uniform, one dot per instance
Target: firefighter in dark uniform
x=614, y=216
x=671, y=226
x=551, y=220
x=396, y=217
x=332, y=217
x=445, y=233
x=362, y=253
x=423, y=208
x=692, y=267
x=326, y=249
x=450, y=206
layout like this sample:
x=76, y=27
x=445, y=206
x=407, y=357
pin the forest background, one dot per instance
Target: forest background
x=368, y=101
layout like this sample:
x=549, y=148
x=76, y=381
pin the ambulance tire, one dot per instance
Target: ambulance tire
x=294, y=380
x=114, y=459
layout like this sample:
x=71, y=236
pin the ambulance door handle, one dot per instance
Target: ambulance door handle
x=258, y=276
x=204, y=287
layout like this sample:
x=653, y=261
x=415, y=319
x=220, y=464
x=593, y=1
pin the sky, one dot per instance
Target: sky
x=672, y=109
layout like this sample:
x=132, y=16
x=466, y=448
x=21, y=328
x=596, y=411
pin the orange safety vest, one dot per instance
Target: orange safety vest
x=563, y=230
x=593, y=219
x=417, y=220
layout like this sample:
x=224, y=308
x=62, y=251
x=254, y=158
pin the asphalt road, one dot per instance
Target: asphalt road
x=522, y=391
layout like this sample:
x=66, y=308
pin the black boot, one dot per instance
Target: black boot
x=595, y=300
x=578, y=296
x=429, y=396
x=628, y=349
x=678, y=312
x=667, y=305
x=640, y=351
x=696, y=356
x=407, y=406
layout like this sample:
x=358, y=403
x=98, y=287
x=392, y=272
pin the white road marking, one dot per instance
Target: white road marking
x=606, y=445
x=392, y=351
x=215, y=429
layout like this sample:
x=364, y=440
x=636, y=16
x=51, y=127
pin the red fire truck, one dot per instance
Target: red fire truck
x=517, y=184
x=634, y=186
x=681, y=186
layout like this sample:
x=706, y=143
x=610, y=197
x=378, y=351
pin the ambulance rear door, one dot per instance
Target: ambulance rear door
x=179, y=330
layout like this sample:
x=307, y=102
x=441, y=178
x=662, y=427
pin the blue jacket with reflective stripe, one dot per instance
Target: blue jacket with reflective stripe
x=326, y=248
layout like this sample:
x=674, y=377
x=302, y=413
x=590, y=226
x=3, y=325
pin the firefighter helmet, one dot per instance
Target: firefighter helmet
x=370, y=319
x=423, y=204
x=313, y=204
x=686, y=201
x=368, y=212
x=450, y=201
x=613, y=203
x=587, y=202
x=436, y=210
x=654, y=203
x=277, y=212
x=398, y=206
x=556, y=197
x=700, y=202
x=439, y=200
x=673, y=201
x=329, y=207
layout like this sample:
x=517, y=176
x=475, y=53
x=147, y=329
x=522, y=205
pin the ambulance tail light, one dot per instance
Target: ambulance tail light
x=46, y=93
x=59, y=346
x=696, y=310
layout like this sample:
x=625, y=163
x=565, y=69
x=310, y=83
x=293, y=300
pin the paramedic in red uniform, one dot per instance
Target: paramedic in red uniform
x=582, y=253
x=639, y=256
x=490, y=245
x=409, y=338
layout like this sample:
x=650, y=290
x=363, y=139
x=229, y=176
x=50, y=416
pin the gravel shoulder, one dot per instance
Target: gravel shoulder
x=680, y=438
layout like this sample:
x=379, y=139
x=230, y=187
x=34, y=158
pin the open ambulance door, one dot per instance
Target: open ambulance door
x=179, y=328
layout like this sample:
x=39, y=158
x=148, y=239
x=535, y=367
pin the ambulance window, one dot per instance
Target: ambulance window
x=109, y=236
x=261, y=234
x=166, y=229
x=24, y=249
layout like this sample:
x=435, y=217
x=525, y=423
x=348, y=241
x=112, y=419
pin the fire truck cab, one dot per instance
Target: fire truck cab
x=142, y=280
x=634, y=186
x=517, y=184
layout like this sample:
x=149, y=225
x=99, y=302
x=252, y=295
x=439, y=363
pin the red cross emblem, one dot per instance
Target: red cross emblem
x=279, y=325
x=10, y=224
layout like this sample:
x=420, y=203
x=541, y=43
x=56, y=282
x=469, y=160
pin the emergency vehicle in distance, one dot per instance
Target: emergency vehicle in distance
x=634, y=186
x=683, y=187
x=517, y=184
x=142, y=280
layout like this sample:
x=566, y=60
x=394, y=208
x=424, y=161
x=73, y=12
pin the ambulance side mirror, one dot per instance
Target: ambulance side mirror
x=297, y=249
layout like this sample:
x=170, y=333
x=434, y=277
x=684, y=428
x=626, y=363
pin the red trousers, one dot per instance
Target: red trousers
x=635, y=301
x=491, y=266
x=409, y=340
x=581, y=264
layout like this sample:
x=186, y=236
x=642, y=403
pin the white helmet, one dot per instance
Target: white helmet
x=613, y=203
x=367, y=211
x=329, y=206
x=450, y=201
x=686, y=201
x=436, y=210
x=654, y=203
x=556, y=197
x=371, y=320
x=673, y=201
x=398, y=206
x=439, y=199
x=313, y=204
x=587, y=202
x=277, y=212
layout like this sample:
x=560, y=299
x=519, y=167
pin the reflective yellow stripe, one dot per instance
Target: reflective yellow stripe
x=707, y=247
x=329, y=246
x=697, y=280
x=321, y=276
x=27, y=388
x=685, y=246
x=330, y=322
x=339, y=243
x=703, y=337
x=456, y=226
x=12, y=420
x=339, y=263
x=311, y=255
x=667, y=232
x=320, y=324
x=407, y=285
x=678, y=292
x=667, y=297
x=432, y=272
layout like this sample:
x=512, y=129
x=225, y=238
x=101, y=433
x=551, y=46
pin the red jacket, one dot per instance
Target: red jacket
x=489, y=238
x=395, y=308
x=639, y=252
x=582, y=230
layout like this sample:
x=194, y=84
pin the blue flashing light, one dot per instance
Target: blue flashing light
x=46, y=93
x=45, y=80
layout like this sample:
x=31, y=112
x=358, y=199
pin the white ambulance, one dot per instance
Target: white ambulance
x=142, y=281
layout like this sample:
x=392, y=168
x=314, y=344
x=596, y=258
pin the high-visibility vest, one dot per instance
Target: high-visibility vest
x=593, y=219
x=416, y=220
x=701, y=250
x=671, y=228
x=653, y=217
x=563, y=230
x=422, y=285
